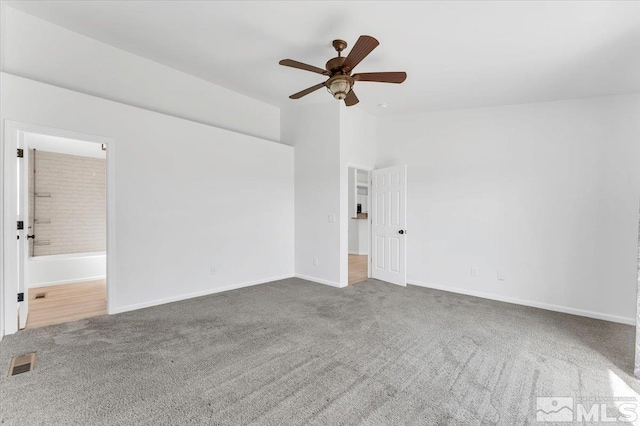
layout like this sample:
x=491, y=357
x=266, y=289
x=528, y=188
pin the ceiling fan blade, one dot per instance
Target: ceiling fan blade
x=351, y=99
x=382, y=77
x=360, y=50
x=306, y=91
x=295, y=64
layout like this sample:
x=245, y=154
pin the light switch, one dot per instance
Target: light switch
x=332, y=217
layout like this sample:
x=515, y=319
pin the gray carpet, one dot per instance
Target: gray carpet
x=295, y=352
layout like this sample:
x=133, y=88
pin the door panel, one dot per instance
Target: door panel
x=394, y=207
x=379, y=206
x=394, y=254
x=389, y=221
x=379, y=252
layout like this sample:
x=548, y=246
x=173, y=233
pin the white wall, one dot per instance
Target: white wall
x=327, y=138
x=65, y=269
x=188, y=196
x=36, y=49
x=546, y=193
x=357, y=148
x=315, y=132
x=357, y=137
x=363, y=236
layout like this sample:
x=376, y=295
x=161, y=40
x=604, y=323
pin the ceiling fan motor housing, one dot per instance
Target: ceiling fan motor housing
x=334, y=65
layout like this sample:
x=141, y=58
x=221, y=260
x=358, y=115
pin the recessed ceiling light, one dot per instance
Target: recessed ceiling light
x=383, y=105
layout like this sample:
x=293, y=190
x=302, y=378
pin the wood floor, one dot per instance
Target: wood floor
x=357, y=268
x=66, y=302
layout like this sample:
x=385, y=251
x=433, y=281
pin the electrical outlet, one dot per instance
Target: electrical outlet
x=213, y=270
x=331, y=217
x=501, y=276
x=315, y=261
x=474, y=271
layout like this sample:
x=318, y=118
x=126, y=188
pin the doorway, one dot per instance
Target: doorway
x=359, y=225
x=376, y=220
x=62, y=197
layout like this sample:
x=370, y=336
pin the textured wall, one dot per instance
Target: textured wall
x=70, y=204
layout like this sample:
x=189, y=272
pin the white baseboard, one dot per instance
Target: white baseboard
x=530, y=303
x=136, y=306
x=359, y=253
x=77, y=280
x=320, y=281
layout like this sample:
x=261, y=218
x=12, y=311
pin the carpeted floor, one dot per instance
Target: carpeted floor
x=295, y=352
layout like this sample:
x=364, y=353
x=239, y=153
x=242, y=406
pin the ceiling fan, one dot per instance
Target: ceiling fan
x=338, y=69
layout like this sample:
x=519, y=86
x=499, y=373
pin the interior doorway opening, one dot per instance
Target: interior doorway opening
x=359, y=224
x=66, y=262
x=59, y=190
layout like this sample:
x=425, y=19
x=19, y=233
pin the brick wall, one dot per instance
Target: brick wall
x=70, y=204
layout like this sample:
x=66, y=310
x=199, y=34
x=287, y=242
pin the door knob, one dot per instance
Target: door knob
x=401, y=231
x=32, y=237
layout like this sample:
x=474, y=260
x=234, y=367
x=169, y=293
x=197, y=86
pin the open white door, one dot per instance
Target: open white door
x=22, y=240
x=388, y=225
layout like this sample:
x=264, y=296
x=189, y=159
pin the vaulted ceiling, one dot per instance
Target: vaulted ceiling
x=456, y=54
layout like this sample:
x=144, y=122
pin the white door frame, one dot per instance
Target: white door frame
x=8, y=256
x=23, y=241
x=345, y=235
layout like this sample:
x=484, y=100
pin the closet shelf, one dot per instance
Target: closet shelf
x=361, y=216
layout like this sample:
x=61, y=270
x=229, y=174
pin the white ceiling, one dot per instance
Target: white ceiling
x=456, y=54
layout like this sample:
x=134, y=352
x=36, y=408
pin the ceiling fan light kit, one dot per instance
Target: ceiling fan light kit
x=339, y=86
x=338, y=69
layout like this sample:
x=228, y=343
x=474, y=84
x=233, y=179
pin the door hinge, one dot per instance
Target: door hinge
x=20, y=297
x=20, y=225
x=20, y=153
